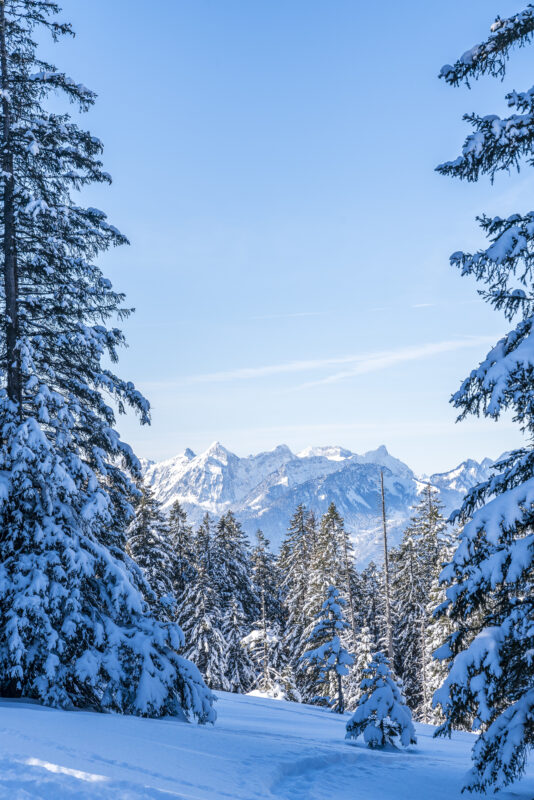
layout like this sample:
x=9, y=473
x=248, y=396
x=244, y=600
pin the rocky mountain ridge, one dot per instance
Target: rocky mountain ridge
x=264, y=489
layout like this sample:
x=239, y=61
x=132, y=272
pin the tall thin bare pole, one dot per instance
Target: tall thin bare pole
x=423, y=671
x=389, y=630
x=11, y=321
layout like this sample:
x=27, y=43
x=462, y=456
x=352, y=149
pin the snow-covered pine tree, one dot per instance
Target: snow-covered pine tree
x=382, y=716
x=266, y=579
x=327, y=660
x=490, y=579
x=239, y=671
x=325, y=569
x=409, y=604
x=371, y=604
x=273, y=674
x=312, y=532
x=202, y=618
x=147, y=542
x=439, y=629
x=294, y=566
x=231, y=567
x=362, y=658
x=181, y=540
x=329, y=565
x=414, y=564
x=75, y=625
x=265, y=641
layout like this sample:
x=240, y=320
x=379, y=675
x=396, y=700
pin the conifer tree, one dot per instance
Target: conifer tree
x=75, y=625
x=273, y=673
x=415, y=563
x=382, y=716
x=362, y=658
x=231, y=567
x=149, y=546
x=266, y=579
x=329, y=565
x=202, y=625
x=311, y=533
x=239, y=670
x=489, y=594
x=181, y=541
x=371, y=607
x=327, y=659
x=265, y=638
x=294, y=566
x=439, y=629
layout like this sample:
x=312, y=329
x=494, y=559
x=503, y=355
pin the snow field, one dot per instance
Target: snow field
x=258, y=749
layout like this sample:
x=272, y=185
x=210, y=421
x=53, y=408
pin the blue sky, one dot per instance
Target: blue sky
x=273, y=166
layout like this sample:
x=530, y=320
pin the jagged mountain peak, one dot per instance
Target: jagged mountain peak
x=380, y=452
x=216, y=450
x=332, y=453
x=263, y=489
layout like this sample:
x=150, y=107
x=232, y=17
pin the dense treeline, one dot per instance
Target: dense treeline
x=303, y=624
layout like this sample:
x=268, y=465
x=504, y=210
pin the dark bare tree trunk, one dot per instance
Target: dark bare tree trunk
x=389, y=627
x=10, y=261
x=265, y=643
x=340, y=702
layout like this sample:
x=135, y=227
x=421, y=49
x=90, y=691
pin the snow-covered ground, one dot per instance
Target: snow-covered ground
x=259, y=748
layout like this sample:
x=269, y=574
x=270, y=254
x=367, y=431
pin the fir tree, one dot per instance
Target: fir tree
x=327, y=566
x=371, y=607
x=489, y=595
x=76, y=628
x=362, y=658
x=294, y=568
x=231, y=567
x=203, y=621
x=327, y=659
x=149, y=546
x=266, y=579
x=415, y=564
x=439, y=629
x=239, y=669
x=266, y=643
x=274, y=675
x=180, y=535
x=311, y=533
x=382, y=716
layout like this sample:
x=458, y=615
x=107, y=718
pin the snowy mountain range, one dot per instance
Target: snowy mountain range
x=263, y=490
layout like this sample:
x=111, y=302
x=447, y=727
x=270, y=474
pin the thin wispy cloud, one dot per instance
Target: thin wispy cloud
x=355, y=364
x=381, y=361
x=292, y=315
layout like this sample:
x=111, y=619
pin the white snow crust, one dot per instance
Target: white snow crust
x=258, y=749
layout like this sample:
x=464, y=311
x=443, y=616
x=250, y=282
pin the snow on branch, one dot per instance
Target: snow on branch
x=490, y=56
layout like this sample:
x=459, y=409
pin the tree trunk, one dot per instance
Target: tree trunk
x=265, y=643
x=340, y=703
x=423, y=669
x=10, y=263
x=389, y=631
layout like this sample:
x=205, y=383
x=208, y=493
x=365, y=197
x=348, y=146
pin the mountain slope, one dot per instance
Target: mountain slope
x=263, y=490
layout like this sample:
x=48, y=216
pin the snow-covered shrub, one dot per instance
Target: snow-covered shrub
x=382, y=717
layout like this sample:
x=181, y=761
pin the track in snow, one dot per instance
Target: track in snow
x=259, y=749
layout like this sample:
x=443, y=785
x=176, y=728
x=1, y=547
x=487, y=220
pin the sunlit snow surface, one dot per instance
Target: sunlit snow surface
x=259, y=748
